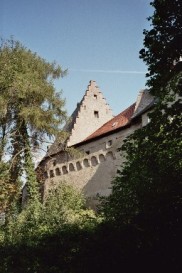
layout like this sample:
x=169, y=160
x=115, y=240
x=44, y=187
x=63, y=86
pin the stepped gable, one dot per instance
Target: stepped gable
x=116, y=123
x=91, y=113
x=91, y=88
x=70, y=124
x=82, y=121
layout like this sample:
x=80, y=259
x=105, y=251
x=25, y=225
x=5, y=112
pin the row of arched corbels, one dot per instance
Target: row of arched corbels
x=80, y=164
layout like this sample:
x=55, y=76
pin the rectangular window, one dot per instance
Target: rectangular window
x=95, y=96
x=96, y=114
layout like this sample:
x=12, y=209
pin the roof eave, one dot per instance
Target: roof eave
x=128, y=124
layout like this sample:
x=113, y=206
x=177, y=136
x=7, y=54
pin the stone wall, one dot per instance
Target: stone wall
x=95, y=169
x=93, y=172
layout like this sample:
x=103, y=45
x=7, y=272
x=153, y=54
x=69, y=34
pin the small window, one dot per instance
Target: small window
x=94, y=161
x=51, y=173
x=54, y=163
x=101, y=158
x=71, y=167
x=58, y=171
x=95, y=96
x=96, y=114
x=84, y=107
x=64, y=170
x=110, y=156
x=109, y=144
x=87, y=152
x=86, y=163
x=78, y=166
x=115, y=124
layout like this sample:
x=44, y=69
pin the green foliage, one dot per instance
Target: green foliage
x=162, y=43
x=142, y=231
x=65, y=206
x=30, y=106
x=49, y=237
x=150, y=180
x=63, y=209
x=147, y=192
x=7, y=190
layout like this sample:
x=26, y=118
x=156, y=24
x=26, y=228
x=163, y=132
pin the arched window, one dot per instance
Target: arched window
x=86, y=163
x=51, y=173
x=78, y=166
x=71, y=167
x=54, y=162
x=64, y=170
x=110, y=156
x=94, y=161
x=101, y=158
x=58, y=171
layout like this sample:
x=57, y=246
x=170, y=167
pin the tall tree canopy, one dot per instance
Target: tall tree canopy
x=163, y=43
x=30, y=108
x=147, y=192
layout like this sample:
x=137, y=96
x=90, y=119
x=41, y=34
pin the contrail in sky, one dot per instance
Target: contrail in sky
x=108, y=71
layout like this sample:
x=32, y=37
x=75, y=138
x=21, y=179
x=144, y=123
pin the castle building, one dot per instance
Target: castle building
x=97, y=135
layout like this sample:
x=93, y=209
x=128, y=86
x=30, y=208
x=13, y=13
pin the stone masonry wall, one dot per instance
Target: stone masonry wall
x=94, y=171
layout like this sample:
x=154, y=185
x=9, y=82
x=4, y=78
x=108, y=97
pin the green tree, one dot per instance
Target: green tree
x=162, y=44
x=30, y=108
x=63, y=209
x=7, y=190
x=147, y=192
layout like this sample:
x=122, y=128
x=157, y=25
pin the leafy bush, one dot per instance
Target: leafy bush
x=63, y=208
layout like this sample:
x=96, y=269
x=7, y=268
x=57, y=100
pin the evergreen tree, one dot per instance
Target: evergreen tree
x=30, y=108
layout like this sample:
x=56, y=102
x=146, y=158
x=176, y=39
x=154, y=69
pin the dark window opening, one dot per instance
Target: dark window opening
x=86, y=162
x=58, y=171
x=96, y=114
x=71, y=167
x=109, y=142
x=95, y=96
x=94, y=161
x=64, y=170
x=87, y=152
x=54, y=163
x=78, y=166
x=51, y=173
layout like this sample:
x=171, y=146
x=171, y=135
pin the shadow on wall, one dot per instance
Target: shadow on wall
x=95, y=172
x=100, y=182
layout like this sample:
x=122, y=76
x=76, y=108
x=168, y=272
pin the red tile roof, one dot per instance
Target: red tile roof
x=117, y=122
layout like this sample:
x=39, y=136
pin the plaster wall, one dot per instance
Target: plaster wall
x=93, y=113
x=93, y=172
x=145, y=119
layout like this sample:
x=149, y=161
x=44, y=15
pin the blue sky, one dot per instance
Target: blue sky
x=95, y=39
